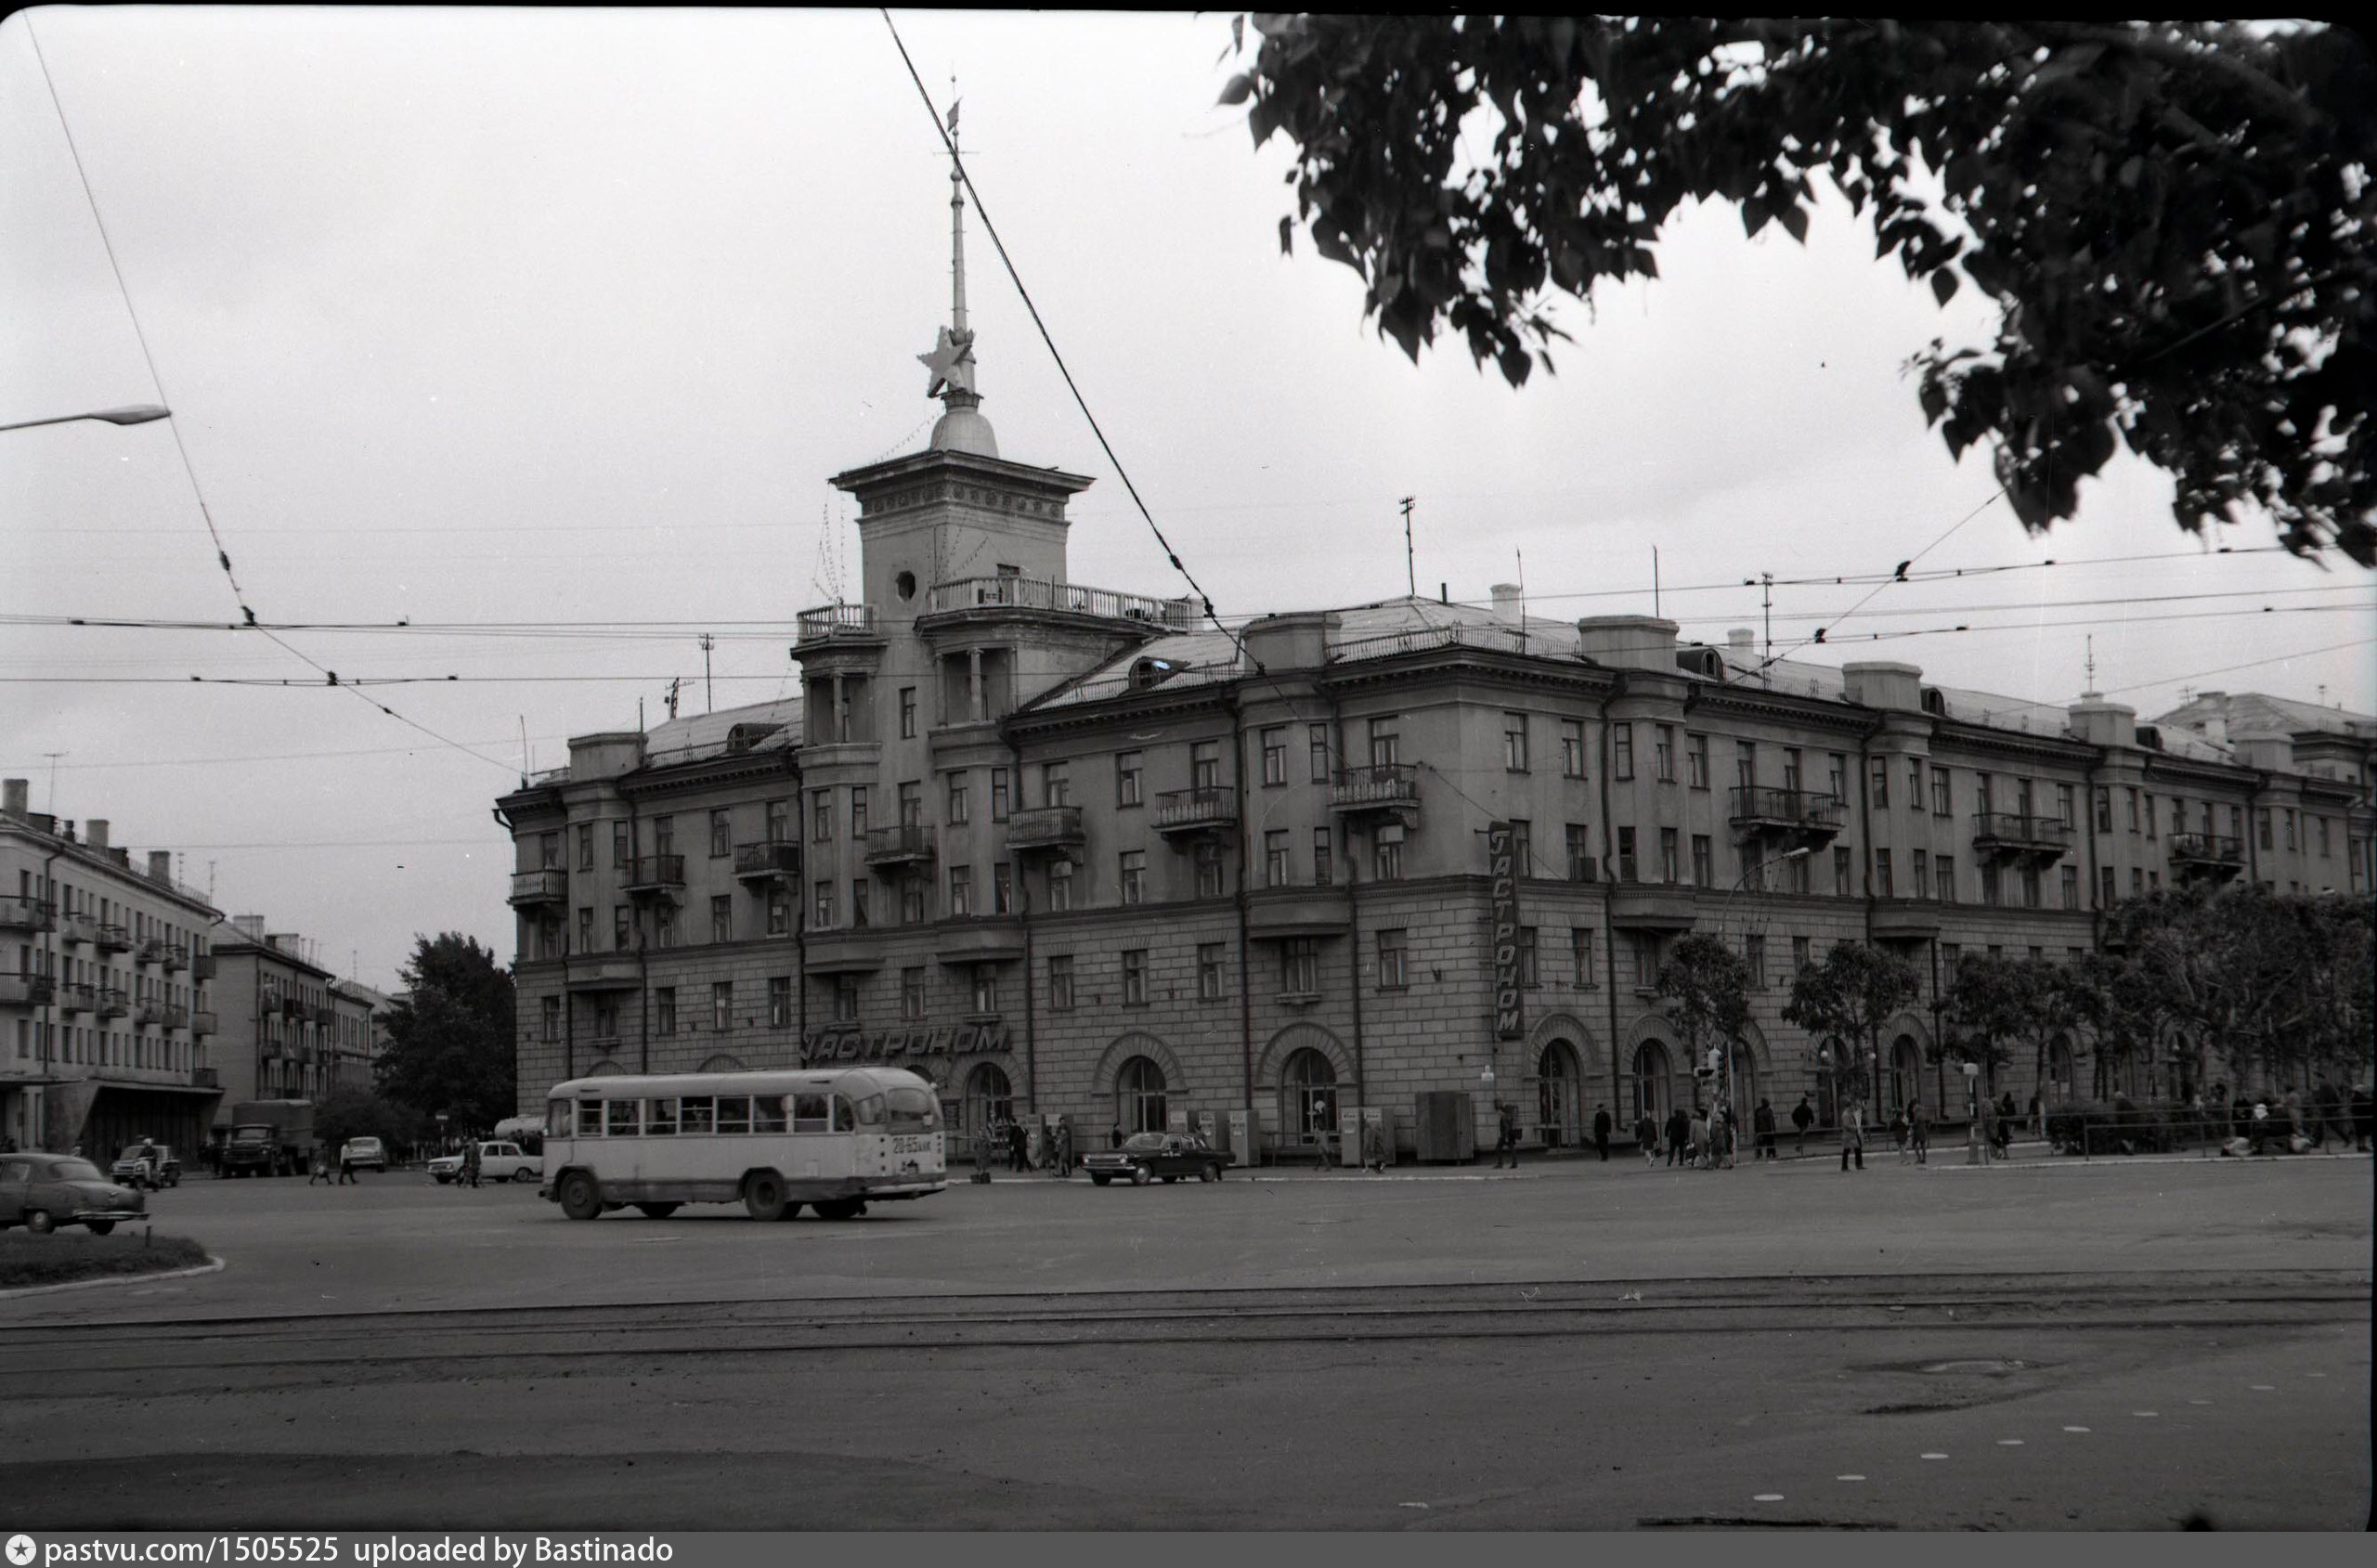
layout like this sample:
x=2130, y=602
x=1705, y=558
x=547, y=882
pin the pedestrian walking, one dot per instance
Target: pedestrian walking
x=1064, y=1148
x=1601, y=1130
x=1803, y=1115
x=1852, y=1135
x=1898, y=1134
x=1646, y=1138
x=1988, y=1128
x=318, y=1169
x=1019, y=1147
x=2038, y=1115
x=1761, y=1126
x=1919, y=1121
x=1506, y=1135
x=1679, y=1136
x=981, y=1142
x=346, y=1166
x=1373, y=1147
x=471, y=1162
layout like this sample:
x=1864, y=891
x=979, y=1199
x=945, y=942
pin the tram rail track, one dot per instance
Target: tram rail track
x=1234, y=1316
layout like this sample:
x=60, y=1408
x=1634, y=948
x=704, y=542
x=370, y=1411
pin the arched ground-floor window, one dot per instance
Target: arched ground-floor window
x=1654, y=1081
x=989, y=1098
x=1308, y=1096
x=1560, y=1094
x=1906, y=1074
x=1138, y=1096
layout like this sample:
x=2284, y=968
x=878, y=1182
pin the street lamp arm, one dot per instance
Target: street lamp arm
x=138, y=413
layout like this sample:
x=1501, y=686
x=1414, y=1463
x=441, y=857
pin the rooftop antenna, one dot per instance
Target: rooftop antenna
x=1410, y=574
x=2092, y=665
x=674, y=684
x=53, y=756
x=1655, y=580
x=527, y=759
x=1766, y=590
x=709, y=697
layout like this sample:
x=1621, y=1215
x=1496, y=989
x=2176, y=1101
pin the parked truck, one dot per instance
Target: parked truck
x=269, y=1138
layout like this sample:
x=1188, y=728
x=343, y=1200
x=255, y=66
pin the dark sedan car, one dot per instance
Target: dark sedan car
x=1147, y=1157
x=44, y=1191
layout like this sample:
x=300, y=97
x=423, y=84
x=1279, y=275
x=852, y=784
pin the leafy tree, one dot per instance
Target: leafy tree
x=449, y=1040
x=1850, y=993
x=2177, y=220
x=359, y=1113
x=1993, y=1002
x=1705, y=985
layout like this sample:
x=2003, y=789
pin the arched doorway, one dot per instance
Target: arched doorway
x=989, y=1098
x=1906, y=1074
x=2061, y=1073
x=1560, y=1094
x=1138, y=1096
x=1743, y=1081
x=1308, y=1097
x=1654, y=1081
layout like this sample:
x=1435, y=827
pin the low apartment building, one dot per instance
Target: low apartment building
x=290, y=1029
x=105, y=1006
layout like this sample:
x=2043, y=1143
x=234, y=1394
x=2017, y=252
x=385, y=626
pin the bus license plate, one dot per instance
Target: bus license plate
x=910, y=1146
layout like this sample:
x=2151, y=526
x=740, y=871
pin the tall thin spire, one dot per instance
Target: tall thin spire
x=962, y=428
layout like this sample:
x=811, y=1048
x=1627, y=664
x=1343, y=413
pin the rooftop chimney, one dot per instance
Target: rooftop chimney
x=94, y=833
x=248, y=926
x=15, y=797
x=1741, y=639
x=1627, y=641
x=160, y=866
x=1507, y=606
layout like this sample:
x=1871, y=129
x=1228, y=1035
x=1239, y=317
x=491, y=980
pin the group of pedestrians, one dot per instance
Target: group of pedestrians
x=1031, y=1149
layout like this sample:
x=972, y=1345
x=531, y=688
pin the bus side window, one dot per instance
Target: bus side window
x=696, y=1115
x=844, y=1120
x=734, y=1113
x=590, y=1119
x=661, y=1118
x=870, y=1111
x=809, y=1113
x=620, y=1121
x=767, y=1113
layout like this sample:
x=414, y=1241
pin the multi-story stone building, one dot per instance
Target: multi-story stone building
x=104, y=983
x=1067, y=853
x=290, y=1029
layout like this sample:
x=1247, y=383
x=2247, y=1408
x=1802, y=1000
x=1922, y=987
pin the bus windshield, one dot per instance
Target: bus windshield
x=913, y=1110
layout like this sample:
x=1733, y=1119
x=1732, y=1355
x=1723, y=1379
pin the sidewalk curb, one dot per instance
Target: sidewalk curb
x=211, y=1265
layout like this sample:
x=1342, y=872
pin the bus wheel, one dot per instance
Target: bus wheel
x=763, y=1196
x=656, y=1211
x=580, y=1199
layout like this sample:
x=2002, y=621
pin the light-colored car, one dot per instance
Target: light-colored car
x=364, y=1154
x=148, y=1165
x=44, y=1191
x=498, y=1163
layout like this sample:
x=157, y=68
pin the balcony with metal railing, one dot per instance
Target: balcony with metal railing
x=1046, y=830
x=176, y=1016
x=1804, y=815
x=147, y=1011
x=828, y=624
x=2206, y=856
x=1182, y=813
x=112, y=1003
x=73, y=929
x=202, y=967
x=770, y=859
x=151, y=951
x=907, y=844
x=202, y=1020
x=112, y=938
x=77, y=996
x=176, y=957
x=967, y=595
x=1379, y=786
x=656, y=877
x=547, y=885
x=19, y=913
x=2020, y=835
x=205, y=1078
x=26, y=990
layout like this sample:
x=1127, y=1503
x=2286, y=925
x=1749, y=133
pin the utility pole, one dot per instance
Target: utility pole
x=1410, y=573
x=1766, y=581
x=709, y=697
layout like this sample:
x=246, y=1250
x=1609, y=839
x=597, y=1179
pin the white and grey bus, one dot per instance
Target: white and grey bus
x=833, y=1139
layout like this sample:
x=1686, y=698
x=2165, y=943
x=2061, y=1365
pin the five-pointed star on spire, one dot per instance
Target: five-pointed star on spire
x=951, y=362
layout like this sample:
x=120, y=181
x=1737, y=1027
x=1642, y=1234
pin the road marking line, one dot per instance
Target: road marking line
x=1935, y=1456
x=2264, y=1387
x=1768, y=1497
x=2146, y=1415
x=1849, y=1478
x=2075, y=1428
x=2010, y=1442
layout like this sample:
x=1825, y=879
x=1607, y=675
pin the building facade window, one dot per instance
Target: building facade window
x=1134, y=871
x=1523, y=846
x=1055, y=783
x=1625, y=863
x=1882, y=874
x=912, y=994
x=961, y=892
x=1204, y=765
x=1529, y=976
x=1061, y=983
x=1300, y=966
x=858, y=815
x=1001, y=802
x=1322, y=871
x=1668, y=866
x=1703, y=865
x=1207, y=859
x=586, y=845
x=1578, y=845
x=722, y=918
x=721, y=841
x=1128, y=790
x=1275, y=754
x=859, y=916
x=1001, y=888
x=1881, y=796
x=1621, y=739
x=1387, y=858
x=1316, y=742
x=1663, y=753
x=779, y=913
x=1061, y=885
x=1393, y=955
x=1844, y=883
x=1572, y=748
x=1134, y=977
x=1385, y=743
x=721, y=1005
x=1754, y=957
x=664, y=1009
x=957, y=804
x=846, y=999
x=821, y=908
x=1941, y=802
x=1209, y=971
x=1515, y=742
x=1275, y=857
x=1696, y=761
x=986, y=990
x=907, y=713
x=912, y=899
x=1580, y=954
x=1919, y=876
x=779, y=1000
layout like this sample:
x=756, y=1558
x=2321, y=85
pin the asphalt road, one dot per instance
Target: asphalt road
x=2107, y=1346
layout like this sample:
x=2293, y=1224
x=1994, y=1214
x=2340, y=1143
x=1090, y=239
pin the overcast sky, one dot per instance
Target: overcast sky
x=541, y=316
